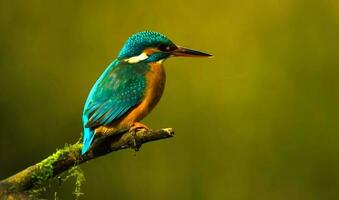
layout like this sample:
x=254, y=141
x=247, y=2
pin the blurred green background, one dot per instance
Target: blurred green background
x=260, y=120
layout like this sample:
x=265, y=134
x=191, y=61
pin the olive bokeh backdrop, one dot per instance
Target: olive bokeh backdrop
x=259, y=120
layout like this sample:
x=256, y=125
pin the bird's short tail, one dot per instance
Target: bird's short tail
x=87, y=140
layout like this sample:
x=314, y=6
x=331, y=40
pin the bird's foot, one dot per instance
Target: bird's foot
x=136, y=126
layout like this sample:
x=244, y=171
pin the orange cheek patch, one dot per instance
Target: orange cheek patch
x=150, y=51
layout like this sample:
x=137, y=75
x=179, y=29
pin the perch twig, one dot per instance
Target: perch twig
x=17, y=186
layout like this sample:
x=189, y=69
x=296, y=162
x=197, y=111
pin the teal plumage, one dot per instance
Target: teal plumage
x=119, y=88
x=139, y=41
x=124, y=85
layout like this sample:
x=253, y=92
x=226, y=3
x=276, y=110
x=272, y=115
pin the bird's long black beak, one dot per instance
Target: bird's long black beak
x=185, y=52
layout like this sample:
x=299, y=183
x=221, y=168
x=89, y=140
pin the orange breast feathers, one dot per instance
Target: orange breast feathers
x=156, y=79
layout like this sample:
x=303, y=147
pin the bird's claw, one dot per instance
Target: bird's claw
x=135, y=127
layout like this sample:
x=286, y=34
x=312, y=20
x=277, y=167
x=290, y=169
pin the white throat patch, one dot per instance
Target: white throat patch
x=136, y=59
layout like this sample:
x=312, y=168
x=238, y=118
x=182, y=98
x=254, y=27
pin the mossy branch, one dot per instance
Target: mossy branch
x=19, y=185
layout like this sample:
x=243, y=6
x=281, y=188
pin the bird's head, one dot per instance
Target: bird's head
x=148, y=46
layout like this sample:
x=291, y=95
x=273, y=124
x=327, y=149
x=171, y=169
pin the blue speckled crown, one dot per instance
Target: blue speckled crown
x=140, y=41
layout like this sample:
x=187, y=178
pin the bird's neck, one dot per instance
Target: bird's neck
x=157, y=70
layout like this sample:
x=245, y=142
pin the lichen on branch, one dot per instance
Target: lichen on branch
x=21, y=185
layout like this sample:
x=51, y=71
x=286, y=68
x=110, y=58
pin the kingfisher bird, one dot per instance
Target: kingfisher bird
x=130, y=86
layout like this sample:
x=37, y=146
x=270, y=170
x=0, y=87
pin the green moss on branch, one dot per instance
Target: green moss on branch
x=36, y=177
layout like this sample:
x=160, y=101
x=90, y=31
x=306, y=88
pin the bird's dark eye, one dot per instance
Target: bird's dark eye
x=167, y=48
x=163, y=47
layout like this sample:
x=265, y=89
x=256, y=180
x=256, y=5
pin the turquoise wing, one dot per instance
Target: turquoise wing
x=121, y=87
